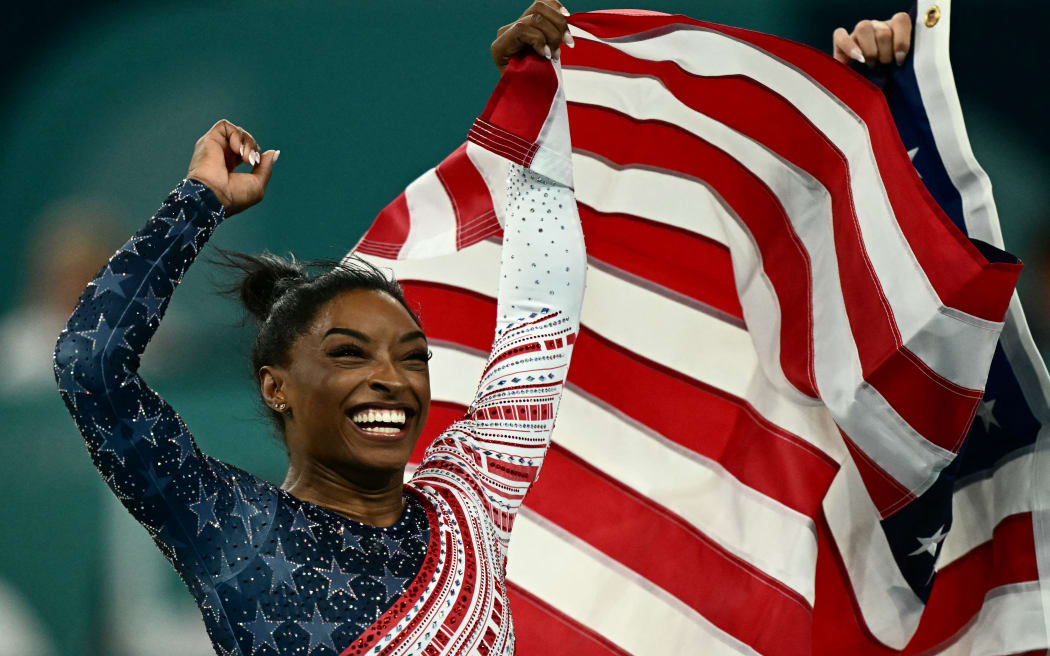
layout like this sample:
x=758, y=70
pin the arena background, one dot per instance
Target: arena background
x=100, y=106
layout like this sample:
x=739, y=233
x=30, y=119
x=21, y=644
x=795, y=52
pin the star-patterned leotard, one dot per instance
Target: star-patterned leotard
x=276, y=575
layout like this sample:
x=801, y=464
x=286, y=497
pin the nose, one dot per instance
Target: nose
x=386, y=377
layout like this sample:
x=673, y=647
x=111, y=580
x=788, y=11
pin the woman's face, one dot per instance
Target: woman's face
x=357, y=387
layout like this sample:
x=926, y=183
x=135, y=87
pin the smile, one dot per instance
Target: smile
x=385, y=423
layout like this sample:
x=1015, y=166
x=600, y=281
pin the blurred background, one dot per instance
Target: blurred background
x=100, y=105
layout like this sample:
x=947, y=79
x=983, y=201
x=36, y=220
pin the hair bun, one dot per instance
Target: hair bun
x=264, y=279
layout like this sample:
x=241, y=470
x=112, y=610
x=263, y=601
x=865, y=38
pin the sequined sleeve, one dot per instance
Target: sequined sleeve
x=137, y=442
x=494, y=454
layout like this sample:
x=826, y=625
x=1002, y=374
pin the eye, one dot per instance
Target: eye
x=420, y=356
x=347, y=351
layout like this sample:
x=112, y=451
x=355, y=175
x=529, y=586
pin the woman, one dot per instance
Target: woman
x=344, y=558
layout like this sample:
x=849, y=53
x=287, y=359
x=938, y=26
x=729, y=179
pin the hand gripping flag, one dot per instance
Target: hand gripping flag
x=768, y=440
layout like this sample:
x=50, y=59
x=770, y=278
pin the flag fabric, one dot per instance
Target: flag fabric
x=767, y=442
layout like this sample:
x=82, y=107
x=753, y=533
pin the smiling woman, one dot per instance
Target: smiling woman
x=343, y=558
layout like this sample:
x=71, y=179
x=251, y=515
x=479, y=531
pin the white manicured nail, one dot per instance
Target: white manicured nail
x=567, y=40
x=242, y=150
x=547, y=51
x=564, y=11
x=857, y=55
x=900, y=56
x=276, y=154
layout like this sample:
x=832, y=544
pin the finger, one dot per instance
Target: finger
x=557, y=20
x=864, y=36
x=844, y=47
x=901, y=26
x=883, y=41
x=551, y=34
x=558, y=6
x=264, y=169
x=251, y=154
x=227, y=137
x=527, y=35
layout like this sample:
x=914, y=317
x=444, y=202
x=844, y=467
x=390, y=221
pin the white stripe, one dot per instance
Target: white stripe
x=978, y=507
x=1010, y=622
x=432, y=224
x=772, y=537
x=606, y=597
x=889, y=607
x=669, y=333
x=669, y=199
x=915, y=305
x=862, y=412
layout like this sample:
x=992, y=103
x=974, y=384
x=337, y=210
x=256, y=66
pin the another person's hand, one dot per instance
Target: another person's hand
x=542, y=28
x=874, y=41
x=218, y=153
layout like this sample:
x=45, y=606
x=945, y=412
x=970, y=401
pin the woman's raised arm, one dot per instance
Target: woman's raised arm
x=136, y=440
x=495, y=453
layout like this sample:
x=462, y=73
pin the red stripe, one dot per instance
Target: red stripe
x=541, y=629
x=673, y=554
x=679, y=260
x=529, y=84
x=701, y=418
x=469, y=196
x=957, y=596
x=785, y=261
x=963, y=278
x=389, y=231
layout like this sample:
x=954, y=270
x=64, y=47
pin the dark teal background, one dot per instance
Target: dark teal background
x=106, y=102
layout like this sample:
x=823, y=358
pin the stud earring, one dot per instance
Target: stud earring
x=280, y=407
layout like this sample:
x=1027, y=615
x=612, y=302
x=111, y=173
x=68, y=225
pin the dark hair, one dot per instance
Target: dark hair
x=285, y=299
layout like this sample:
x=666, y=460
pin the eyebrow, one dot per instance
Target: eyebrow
x=407, y=337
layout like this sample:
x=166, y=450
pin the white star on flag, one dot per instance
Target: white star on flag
x=929, y=545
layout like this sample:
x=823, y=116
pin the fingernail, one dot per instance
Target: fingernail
x=564, y=11
x=276, y=154
x=242, y=150
x=547, y=51
x=900, y=56
x=567, y=40
x=857, y=55
x=255, y=158
x=557, y=53
x=251, y=158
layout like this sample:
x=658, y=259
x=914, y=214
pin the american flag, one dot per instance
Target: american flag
x=773, y=438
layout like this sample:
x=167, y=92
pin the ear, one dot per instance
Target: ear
x=271, y=385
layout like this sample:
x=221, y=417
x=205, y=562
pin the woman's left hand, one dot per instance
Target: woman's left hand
x=542, y=28
x=874, y=41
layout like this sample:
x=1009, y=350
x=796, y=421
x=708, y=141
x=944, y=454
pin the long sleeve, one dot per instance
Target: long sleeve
x=496, y=451
x=136, y=440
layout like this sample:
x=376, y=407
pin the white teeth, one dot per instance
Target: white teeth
x=380, y=416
